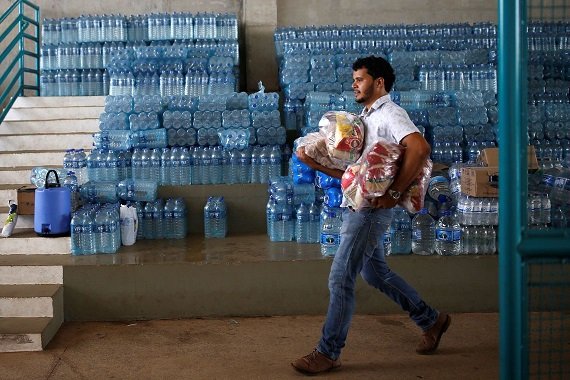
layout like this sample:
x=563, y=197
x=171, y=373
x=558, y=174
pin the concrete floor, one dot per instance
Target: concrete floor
x=378, y=347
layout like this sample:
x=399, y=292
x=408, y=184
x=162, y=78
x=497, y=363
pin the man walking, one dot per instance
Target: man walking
x=359, y=251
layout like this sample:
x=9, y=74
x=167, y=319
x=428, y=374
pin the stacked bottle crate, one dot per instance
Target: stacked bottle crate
x=447, y=81
x=76, y=52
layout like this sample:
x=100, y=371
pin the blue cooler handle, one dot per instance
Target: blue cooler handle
x=48, y=185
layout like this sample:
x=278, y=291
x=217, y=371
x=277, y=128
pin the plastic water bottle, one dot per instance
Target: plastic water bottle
x=314, y=223
x=216, y=166
x=282, y=222
x=72, y=184
x=68, y=159
x=215, y=218
x=302, y=224
x=158, y=219
x=105, y=229
x=275, y=156
x=168, y=218
x=185, y=166
x=179, y=223
x=137, y=190
x=140, y=216
x=146, y=224
x=99, y=191
x=82, y=236
x=165, y=167
x=154, y=165
x=438, y=189
x=245, y=166
x=423, y=233
x=558, y=218
x=175, y=172
x=331, y=222
x=401, y=232
x=80, y=166
x=447, y=235
x=264, y=164
x=255, y=162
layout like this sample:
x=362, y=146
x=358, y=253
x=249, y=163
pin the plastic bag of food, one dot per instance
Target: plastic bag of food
x=345, y=135
x=351, y=189
x=381, y=164
x=337, y=143
x=374, y=173
x=413, y=198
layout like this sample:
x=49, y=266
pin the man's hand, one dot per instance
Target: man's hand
x=385, y=201
x=303, y=157
x=310, y=162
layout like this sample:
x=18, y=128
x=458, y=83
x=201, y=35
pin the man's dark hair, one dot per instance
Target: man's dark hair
x=377, y=67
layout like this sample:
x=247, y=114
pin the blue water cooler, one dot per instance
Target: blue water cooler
x=52, y=209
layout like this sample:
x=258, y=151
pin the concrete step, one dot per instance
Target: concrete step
x=27, y=334
x=17, y=175
x=43, y=142
x=58, y=101
x=52, y=126
x=30, y=300
x=25, y=241
x=19, y=273
x=60, y=113
x=52, y=158
x=7, y=192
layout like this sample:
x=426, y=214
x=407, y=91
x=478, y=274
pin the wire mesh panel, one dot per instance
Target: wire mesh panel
x=548, y=318
x=548, y=10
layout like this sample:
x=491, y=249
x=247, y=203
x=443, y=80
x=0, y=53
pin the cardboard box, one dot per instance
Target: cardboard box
x=26, y=200
x=490, y=157
x=480, y=181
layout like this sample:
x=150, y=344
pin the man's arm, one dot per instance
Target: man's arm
x=416, y=153
x=302, y=156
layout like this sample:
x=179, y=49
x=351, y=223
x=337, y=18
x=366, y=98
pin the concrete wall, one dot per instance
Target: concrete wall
x=259, y=18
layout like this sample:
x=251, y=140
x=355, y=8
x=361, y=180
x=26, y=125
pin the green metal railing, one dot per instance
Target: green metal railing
x=534, y=265
x=19, y=61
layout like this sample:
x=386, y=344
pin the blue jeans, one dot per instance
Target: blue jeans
x=359, y=252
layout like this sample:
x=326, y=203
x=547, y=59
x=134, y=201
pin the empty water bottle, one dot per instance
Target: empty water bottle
x=423, y=233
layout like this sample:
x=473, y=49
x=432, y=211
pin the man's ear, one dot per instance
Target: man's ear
x=379, y=81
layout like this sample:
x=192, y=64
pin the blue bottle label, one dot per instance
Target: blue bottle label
x=416, y=234
x=330, y=239
x=560, y=182
x=447, y=235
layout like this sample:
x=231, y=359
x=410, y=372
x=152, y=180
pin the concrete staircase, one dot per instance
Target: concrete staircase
x=36, y=132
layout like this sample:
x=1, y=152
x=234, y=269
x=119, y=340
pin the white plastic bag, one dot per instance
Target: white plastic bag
x=129, y=224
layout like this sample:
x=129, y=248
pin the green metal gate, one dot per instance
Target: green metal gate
x=534, y=265
x=19, y=54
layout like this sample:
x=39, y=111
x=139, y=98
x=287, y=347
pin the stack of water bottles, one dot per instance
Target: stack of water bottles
x=162, y=219
x=95, y=228
x=75, y=52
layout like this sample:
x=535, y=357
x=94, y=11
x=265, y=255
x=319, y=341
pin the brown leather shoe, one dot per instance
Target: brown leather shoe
x=432, y=336
x=315, y=363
